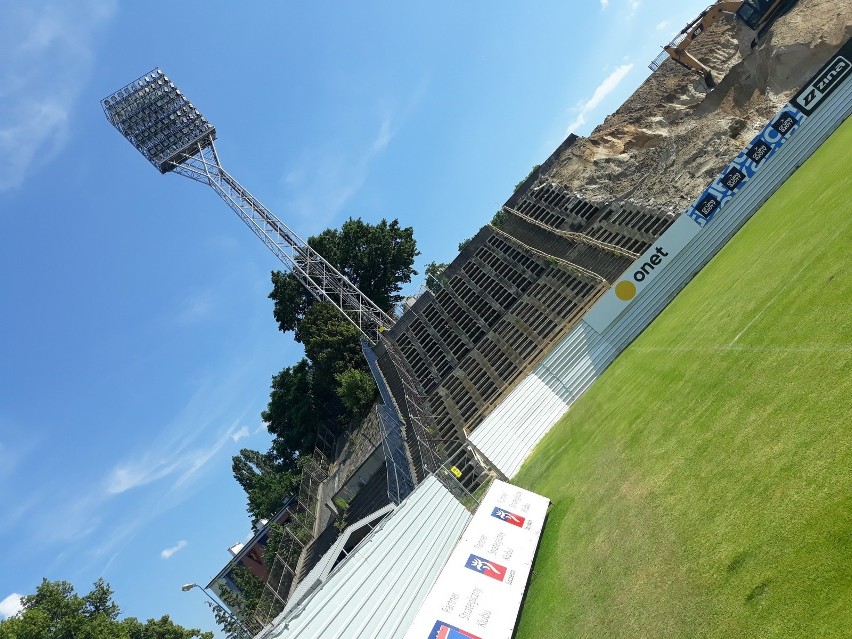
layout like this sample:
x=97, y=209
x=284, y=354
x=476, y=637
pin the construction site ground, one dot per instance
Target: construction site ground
x=671, y=138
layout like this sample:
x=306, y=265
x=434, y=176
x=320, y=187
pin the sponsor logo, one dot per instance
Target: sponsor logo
x=653, y=262
x=509, y=518
x=625, y=290
x=443, y=630
x=784, y=123
x=733, y=178
x=758, y=151
x=485, y=567
x=707, y=206
x=809, y=98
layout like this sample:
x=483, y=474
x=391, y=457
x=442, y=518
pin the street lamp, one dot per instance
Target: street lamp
x=243, y=630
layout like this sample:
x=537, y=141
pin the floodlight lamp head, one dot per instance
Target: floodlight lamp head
x=159, y=120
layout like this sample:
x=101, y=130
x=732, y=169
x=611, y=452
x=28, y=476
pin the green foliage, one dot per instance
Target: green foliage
x=435, y=277
x=701, y=486
x=291, y=300
x=56, y=611
x=499, y=218
x=333, y=347
x=464, y=244
x=331, y=385
x=266, y=481
x=242, y=601
x=535, y=168
x=377, y=258
x=342, y=519
x=357, y=391
x=291, y=415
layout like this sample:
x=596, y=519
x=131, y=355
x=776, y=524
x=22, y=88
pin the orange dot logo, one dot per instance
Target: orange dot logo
x=625, y=290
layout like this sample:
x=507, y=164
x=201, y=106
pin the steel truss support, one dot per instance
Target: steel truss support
x=321, y=279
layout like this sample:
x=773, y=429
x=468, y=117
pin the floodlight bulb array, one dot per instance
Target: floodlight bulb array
x=158, y=120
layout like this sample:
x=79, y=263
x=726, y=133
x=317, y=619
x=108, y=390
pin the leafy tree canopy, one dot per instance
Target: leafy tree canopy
x=56, y=611
x=357, y=391
x=377, y=258
x=331, y=385
x=435, y=277
x=242, y=601
x=291, y=415
x=267, y=482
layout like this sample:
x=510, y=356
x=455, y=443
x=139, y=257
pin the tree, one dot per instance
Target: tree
x=266, y=481
x=357, y=391
x=243, y=600
x=435, y=278
x=291, y=415
x=333, y=346
x=331, y=385
x=56, y=611
x=377, y=258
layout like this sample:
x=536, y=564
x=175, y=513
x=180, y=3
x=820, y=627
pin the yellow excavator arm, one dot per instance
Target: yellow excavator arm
x=677, y=48
x=757, y=14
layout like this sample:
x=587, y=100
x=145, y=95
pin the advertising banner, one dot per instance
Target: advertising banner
x=641, y=272
x=478, y=593
x=773, y=136
x=730, y=182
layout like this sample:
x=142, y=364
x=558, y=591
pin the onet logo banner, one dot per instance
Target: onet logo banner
x=643, y=271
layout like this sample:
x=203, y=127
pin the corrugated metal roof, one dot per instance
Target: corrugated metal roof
x=378, y=589
x=511, y=432
x=322, y=570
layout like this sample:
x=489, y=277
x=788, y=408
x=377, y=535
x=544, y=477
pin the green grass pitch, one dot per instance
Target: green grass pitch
x=703, y=486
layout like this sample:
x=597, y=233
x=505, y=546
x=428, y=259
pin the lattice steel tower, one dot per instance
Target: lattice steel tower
x=168, y=130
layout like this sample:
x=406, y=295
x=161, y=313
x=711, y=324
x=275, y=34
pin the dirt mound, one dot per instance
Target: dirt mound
x=672, y=137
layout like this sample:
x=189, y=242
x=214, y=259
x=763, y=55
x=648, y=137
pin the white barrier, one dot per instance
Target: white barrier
x=478, y=594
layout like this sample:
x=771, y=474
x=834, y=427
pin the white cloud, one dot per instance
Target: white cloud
x=46, y=48
x=195, y=308
x=632, y=8
x=240, y=434
x=662, y=25
x=10, y=606
x=184, y=460
x=327, y=179
x=186, y=445
x=604, y=4
x=168, y=552
x=384, y=136
x=602, y=91
x=140, y=472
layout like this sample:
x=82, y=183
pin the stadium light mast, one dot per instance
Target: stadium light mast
x=163, y=125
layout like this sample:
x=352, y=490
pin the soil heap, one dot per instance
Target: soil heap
x=672, y=137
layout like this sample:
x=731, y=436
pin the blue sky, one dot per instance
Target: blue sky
x=137, y=341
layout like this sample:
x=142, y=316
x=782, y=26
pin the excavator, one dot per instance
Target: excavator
x=758, y=15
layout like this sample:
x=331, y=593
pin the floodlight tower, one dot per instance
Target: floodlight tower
x=168, y=130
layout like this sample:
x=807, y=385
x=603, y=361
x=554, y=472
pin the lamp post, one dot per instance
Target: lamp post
x=216, y=604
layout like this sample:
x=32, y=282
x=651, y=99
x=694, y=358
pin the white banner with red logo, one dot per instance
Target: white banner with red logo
x=478, y=593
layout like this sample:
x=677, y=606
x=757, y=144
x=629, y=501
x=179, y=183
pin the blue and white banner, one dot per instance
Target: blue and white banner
x=750, y=160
